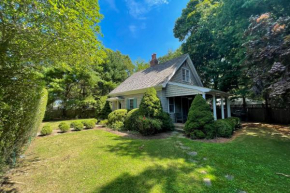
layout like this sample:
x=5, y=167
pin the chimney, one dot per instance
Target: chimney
x=153, y=61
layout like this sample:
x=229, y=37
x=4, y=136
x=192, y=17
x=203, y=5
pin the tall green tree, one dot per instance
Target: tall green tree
x=170, y=55
x=140, y=65
x=34, y=34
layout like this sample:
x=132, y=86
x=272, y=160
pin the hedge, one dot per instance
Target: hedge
x=116, y=119
x=89, y=124
x=130, y=122
x=77, y=125
x=64, y=127
x=149, y=126
x=223, y=128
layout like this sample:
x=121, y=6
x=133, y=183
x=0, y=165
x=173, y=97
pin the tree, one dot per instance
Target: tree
x=268, y=57
x=150, y=105
x=36, y=34
x=115, y=69
x=170, y=55
x=200, y=119
x=141, y=65
x=106, y=110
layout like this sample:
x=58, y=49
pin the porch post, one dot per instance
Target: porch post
x=203, y=95
x=229, y=106
x=214, y=107
x=222, y=108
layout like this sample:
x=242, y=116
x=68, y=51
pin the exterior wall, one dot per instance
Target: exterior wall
x=163, y=99
x=137, y=96
x=173, y=91
x=178, y=75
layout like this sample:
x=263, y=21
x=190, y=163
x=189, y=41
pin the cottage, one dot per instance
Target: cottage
x=176, y=82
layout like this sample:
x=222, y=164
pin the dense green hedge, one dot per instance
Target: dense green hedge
x=148, y=126
x=22, y=107
x=223, y=128
x=77, y=125
x=116, y=119
x=64, y=127
x=131, y=120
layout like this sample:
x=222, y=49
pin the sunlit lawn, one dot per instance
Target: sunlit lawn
x=99, y=161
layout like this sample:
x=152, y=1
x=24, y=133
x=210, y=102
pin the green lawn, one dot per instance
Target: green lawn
x=99, y=161
x=54, y=124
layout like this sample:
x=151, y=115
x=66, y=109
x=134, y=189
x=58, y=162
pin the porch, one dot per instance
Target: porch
x=179, y=102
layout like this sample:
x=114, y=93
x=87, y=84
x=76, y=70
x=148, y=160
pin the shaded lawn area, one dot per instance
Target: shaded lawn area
x=54, y=124
x=99, y=161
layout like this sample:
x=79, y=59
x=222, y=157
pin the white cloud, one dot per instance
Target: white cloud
x=138, y=10
x=134, y=29
x=112, y=5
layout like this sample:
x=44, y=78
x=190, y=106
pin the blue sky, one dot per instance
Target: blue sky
x=139, y=28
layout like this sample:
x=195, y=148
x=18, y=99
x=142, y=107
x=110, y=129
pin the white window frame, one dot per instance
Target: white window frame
x=184, y=79
x=131, y=99
x=171, y=104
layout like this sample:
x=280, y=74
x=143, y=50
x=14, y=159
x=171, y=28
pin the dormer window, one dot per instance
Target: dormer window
x=185, y=75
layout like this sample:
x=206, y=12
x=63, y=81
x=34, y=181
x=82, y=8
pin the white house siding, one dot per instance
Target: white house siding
x=133, y=96
x=178, y=76
x=173, y=91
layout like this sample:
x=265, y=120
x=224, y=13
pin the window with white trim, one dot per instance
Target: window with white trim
x=185, y=75
x=131, y=103
x=171, y=105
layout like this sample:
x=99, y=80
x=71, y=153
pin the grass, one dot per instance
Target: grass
x=54, y=124
x=99, y=161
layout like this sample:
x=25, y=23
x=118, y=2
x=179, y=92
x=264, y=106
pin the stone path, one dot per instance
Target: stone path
x=206, y=181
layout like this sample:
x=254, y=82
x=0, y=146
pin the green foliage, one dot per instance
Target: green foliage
x=148, y=126
x=106, y=110
x=117, y=117
x=235, y=122
x=199, y=116
x=170, y=55
x=131, y=120
x=197, y=134
x=95, y=121
x=64, y=127
x=77, y=125
x=167, y=123
x=46, y=130
x=141, y=65
x=104, y=122
x=150, y=105
x=89, y=124
x=223, y=127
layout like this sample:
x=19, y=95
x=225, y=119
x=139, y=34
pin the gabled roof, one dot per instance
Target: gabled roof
x=157, y=75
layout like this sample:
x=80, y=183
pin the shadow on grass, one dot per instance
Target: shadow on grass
x=157, y=178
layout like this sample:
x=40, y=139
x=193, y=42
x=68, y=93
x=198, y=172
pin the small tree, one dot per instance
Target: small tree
x=150, y=104
x=199, y=117
x=105, y=111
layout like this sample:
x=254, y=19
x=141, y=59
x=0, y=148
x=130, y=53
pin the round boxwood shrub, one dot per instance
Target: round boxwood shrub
x=64, y=127
x=235, y=122
x=89, y=124
x=117, y=116
x=118, y=125
x=149, y=126
x=104, y=122
x=199, y=116
x=77, y=125
x=197, y=134
x=224, y=129
x=46, y=130
x=130, y=122
x=95, y=121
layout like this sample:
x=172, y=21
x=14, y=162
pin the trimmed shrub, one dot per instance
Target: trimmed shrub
x=46, y=130
x=210, y=131
x=130, y=122
x=150, y=105
x=118, y=125
x=224, y=129
x=199, y=116
x=77, y=125
x=104, y=122
x=235, y=122
x=149, y=126
x=197, y=134
x=167, y=123
x=117, y=116
x=95, y=121
x=106, y=110
x=64, y=127
x=89, y=124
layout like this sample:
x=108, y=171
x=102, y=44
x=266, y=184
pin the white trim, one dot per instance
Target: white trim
x=186, y=70
x=203, y=96
x=131, y=92
x=201, y=89
x=129, y=102
x=229, y=107
x=214, y=107
x=222, y=108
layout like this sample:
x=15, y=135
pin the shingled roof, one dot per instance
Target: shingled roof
x=151, y=77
